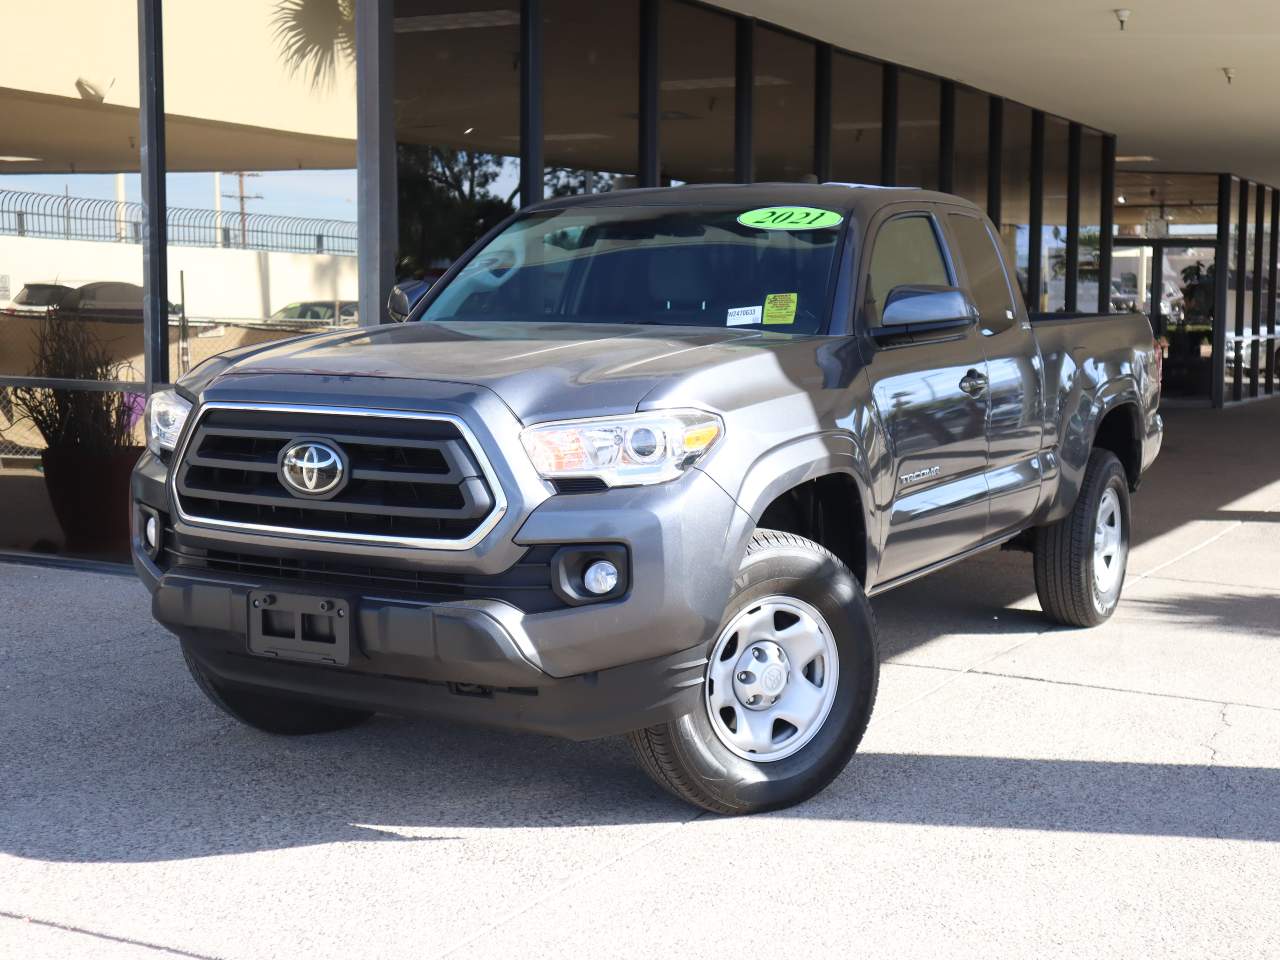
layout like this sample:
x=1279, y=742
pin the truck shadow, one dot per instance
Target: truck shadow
x=209, y=788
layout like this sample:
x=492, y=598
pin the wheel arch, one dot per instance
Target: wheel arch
x=817, y=488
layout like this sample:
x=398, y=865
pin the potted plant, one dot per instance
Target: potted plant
x=89, y=435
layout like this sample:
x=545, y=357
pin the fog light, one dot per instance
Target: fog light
x=152, y=532
x=600, y=577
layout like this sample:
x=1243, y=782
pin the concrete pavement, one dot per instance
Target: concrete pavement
x=1022, y=791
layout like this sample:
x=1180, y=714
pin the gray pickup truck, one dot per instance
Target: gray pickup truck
x=634, y=466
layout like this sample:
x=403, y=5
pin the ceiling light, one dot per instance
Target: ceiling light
x=1123, y=16
x=1229, y=73
x=1120, y=199
x=1136, y=158
x=467, y=132
x=458, y=21
x=19, y=159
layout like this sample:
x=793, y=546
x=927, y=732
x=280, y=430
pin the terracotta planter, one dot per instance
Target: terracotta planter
x=90, y=496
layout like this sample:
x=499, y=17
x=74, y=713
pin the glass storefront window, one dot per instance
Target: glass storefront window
x=70, y=277
x=1015, y=192
x=457, y=124
x=1052, y=295
x=782, y=114
x=1091, y=201
x=261, y=176
x=591, y=89
x=919, y=125
x=857, y=109
x=696, y=94
x=973, y=125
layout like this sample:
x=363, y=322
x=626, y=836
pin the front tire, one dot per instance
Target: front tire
x=790, y=685
x=272, y=712
x=1081, y=560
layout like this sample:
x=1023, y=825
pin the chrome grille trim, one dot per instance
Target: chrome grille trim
x=422, y=543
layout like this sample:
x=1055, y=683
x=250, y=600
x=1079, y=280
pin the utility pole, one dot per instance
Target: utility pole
x=241, y=196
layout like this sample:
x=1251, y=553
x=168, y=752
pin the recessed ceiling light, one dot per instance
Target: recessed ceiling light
x=1120, y=199
x=1136, y=158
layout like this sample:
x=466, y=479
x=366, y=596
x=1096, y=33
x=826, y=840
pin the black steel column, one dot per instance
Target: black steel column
x=1221, y=278
x=650, y=165
x=155, y=272
x=1107, y=223
x=1274, y=254
x=822, y=112
x=531, y=164
x=1070, y=299
x=744, y=169
x=889, y=127
x=947, y=137
x=1255, y=320
x=995, y=159
x=1242, y=266
x=1036, y=220
x=377, y=206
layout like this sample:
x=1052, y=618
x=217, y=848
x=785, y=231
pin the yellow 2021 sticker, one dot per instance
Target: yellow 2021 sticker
x=779, y=309
x=790, y=218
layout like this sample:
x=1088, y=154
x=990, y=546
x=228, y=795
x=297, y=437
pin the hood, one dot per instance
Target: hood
x=542, y=371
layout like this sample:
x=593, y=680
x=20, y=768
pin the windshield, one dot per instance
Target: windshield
x=767, y=268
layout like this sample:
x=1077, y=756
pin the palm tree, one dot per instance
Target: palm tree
x=313, y=35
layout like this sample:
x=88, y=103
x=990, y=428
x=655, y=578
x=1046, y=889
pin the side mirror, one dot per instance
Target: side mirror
x=398, y=305
x=912, y=309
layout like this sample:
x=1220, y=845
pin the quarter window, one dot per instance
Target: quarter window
x=906, y=253
x=988, y=284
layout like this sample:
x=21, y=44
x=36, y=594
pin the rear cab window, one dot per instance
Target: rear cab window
x=984, y=269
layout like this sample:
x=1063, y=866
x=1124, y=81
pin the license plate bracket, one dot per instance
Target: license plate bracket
x=299, y=626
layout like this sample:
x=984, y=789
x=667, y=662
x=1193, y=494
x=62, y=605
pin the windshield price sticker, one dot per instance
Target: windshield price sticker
x=780, y=309
x=742, y=316
x=790, y=218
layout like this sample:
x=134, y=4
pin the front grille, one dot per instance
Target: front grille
x=525, y=585
x=412, y=479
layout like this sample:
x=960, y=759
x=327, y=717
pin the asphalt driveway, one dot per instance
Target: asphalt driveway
x=1023, y=790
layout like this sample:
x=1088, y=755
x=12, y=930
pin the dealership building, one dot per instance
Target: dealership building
x=179, y=179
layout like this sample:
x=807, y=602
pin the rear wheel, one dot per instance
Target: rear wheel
x=1080, y=561
x=272, y=712
x=790, y=684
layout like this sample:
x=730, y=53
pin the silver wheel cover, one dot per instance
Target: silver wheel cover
x=772, y=679
x=1109, y=548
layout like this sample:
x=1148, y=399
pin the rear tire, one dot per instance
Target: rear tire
x=1080, y=561
x=801, y=617
x=272, y=712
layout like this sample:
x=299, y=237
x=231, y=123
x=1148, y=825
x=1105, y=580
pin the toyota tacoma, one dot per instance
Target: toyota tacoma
x=635, y=465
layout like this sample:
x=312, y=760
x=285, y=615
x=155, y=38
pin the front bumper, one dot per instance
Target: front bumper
x=577, y=671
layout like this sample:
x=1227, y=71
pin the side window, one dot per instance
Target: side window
x=989, y=286
x=906, y=252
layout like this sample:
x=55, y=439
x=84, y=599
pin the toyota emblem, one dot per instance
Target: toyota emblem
x=312, y=468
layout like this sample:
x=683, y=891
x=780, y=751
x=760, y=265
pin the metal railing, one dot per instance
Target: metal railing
x=49, y=215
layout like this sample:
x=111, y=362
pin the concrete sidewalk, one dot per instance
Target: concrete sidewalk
x=1023, y=790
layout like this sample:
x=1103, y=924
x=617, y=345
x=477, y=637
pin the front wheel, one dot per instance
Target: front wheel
x=1080, y=561
x=790, y=684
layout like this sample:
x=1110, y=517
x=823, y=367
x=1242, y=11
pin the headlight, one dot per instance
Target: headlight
x=166, y=413
x=623, y=451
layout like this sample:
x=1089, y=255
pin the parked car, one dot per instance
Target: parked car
x=37, y=299
x=327, y=312
x=635, y=465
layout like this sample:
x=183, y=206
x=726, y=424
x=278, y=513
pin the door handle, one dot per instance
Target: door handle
x=973, y=383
